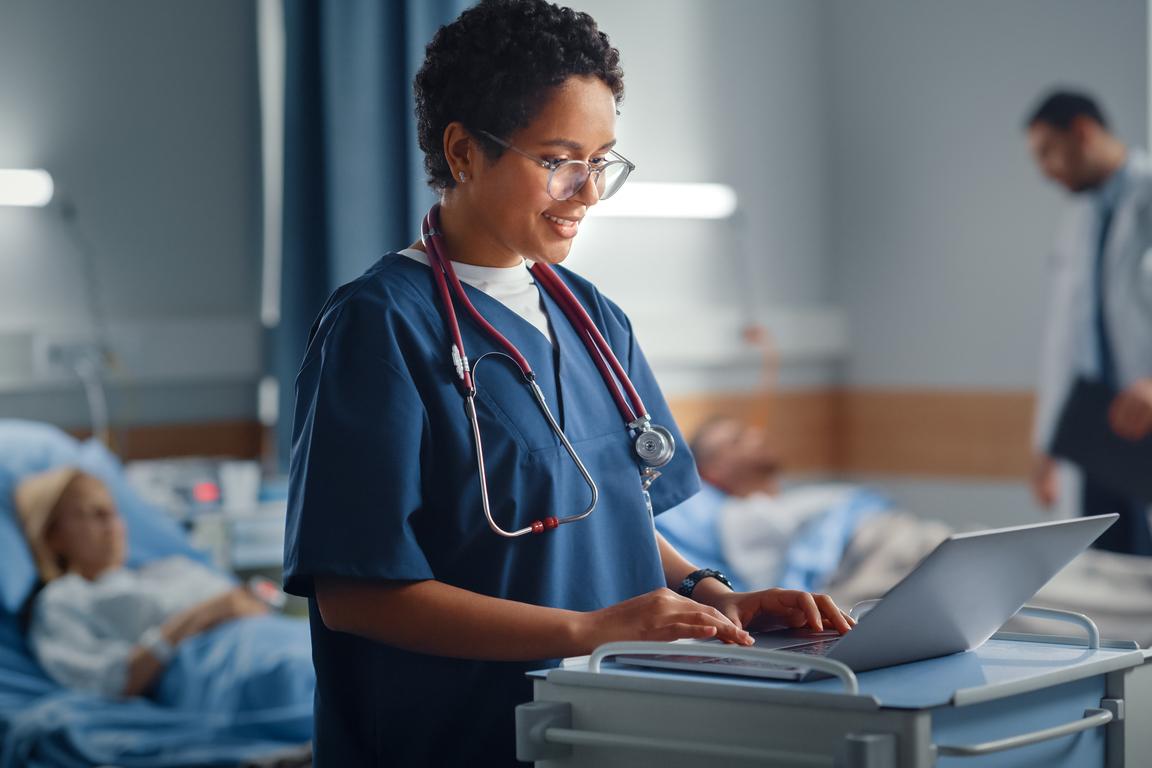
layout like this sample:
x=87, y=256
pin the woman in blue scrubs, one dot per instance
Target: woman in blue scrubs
x=424, y=620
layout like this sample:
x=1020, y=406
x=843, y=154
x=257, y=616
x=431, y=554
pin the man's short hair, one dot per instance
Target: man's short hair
x=1060, y=108
x=703, y=441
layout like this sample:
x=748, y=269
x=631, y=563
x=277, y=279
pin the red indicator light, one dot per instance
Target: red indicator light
x=206, y=492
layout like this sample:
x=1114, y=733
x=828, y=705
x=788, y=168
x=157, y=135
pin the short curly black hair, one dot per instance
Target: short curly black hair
x=494, y=67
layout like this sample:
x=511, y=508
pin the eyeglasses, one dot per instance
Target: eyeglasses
x=567, y=177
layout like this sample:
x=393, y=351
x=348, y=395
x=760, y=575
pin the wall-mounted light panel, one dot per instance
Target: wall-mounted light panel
x=669, y=200
x=30, y=187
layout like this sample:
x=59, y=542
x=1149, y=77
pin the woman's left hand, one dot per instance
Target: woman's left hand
x=775, y=607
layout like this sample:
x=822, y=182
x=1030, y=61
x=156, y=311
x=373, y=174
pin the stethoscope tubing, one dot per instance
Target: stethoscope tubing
x=596, y=345
x=537, y=526
x=443, y=272
x=598, y=348
x=654, y=445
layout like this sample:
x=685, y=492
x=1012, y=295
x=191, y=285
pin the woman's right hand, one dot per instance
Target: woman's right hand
x=144, y=666
x=660, y=615
x=233, y=604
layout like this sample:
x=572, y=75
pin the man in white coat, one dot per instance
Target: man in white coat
x=1099, y=322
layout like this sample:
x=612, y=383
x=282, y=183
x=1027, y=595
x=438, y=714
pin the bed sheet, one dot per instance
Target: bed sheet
x=223, y=704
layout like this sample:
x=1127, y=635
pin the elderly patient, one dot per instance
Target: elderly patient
x=850, y=542
x=98, y=626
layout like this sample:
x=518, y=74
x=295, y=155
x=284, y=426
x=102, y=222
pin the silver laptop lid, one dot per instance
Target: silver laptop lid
x=964, y=591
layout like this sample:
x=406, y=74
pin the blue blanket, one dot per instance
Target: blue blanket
x=238, y=692
x=814, y=554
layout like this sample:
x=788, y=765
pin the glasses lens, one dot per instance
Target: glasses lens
x=612, y=178
x=570, y=178
x=567, y=180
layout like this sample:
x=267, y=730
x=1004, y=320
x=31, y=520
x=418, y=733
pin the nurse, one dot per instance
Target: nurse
x=424, y=619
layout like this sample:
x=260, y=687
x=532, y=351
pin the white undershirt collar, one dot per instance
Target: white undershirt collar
x=514, y=287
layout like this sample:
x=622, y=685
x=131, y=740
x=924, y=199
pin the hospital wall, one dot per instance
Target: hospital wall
x=943, y=227
x=887, y=194
x=146, y=113
x=890, y=233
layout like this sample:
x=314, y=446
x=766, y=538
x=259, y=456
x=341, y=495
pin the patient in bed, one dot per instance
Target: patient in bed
x=101, y=627
x=851, y=542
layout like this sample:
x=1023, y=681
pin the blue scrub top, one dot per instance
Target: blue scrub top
x=384, y=486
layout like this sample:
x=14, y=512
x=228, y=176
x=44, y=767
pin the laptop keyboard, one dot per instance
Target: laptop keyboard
x=817, y=648
x=779, y=670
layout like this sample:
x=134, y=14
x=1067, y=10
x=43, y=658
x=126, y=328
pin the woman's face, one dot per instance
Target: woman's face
x=514, y=216
x=86, y=530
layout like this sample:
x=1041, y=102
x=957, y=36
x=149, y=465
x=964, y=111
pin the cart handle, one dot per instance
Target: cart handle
x=786, y=658
x=1093, y=718
x=1070, y=617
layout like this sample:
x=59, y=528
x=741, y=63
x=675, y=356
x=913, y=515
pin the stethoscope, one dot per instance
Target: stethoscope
x=653, y=444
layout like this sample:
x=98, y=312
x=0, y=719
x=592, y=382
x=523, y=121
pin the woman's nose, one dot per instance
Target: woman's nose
x=583, y=195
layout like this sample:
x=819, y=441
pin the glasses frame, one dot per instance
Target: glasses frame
x=553, y=166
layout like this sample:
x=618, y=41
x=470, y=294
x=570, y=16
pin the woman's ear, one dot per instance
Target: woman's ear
x=460, y=151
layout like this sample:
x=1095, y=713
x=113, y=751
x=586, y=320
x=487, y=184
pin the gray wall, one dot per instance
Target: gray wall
x=940, y=225
x=884, y=186
x=146, y=114
x=730, y=92
x=877, y=149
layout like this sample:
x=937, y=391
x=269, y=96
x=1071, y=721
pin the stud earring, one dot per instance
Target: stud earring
x=463, y=178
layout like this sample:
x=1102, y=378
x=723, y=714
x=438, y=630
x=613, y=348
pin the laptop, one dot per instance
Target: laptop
x=954, y=600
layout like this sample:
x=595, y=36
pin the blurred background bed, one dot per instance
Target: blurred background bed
x=43, y=725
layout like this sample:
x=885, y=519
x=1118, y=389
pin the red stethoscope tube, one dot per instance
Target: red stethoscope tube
x=632, y=409
x=595, y=343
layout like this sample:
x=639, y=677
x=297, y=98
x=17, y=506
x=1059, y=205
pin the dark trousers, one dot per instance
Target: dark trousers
x=1130, y=534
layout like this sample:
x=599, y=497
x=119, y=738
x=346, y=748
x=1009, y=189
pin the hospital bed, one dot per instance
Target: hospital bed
x=43, y=725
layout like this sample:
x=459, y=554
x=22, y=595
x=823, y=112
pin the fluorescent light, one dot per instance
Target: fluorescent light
x=25, y=187
x=668, y=200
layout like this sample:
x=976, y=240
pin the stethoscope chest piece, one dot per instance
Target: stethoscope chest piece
x=655, y=445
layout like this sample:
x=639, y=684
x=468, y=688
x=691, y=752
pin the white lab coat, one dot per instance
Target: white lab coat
x=1128, y=294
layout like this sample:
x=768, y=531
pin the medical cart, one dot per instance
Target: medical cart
x=1017, y=700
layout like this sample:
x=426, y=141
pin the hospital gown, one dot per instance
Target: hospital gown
x=384, y=487
x=83, y=631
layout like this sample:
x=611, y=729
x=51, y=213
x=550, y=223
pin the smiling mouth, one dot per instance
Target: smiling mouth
x=562, y=222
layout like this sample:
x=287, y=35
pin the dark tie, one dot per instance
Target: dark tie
x=1106, y=362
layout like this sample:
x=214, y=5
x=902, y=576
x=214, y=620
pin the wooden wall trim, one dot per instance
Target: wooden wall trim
x=923, y=433
x=234, y=439
x=938, y=433
x=916, y=433
x=804, y=423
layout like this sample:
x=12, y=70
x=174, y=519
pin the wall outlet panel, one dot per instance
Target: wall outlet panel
x=183, y=349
